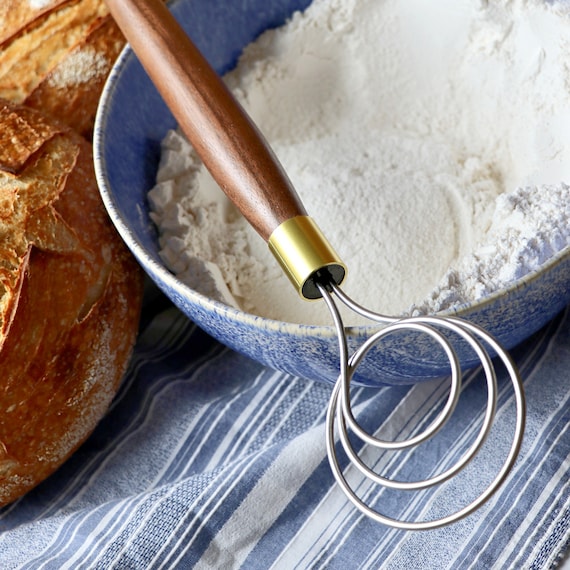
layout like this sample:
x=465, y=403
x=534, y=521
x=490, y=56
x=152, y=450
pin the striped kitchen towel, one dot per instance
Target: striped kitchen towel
x=207, y=459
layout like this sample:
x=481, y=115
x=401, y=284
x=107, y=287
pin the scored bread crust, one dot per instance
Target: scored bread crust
x=69, y=304
x=18, y=14
x=71, y=90
x=57, y=57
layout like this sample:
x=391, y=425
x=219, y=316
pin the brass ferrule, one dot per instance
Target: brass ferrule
x=303, y=251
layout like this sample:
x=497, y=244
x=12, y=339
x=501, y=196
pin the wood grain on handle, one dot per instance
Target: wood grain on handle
x=225, y=138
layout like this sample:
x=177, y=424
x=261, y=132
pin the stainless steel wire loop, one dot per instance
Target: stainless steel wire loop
x=340, y=417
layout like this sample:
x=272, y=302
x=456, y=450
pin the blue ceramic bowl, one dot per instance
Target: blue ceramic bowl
x=131, y=122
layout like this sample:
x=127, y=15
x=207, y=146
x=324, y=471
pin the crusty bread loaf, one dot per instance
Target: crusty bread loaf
x=56, y=56
x=70, y=297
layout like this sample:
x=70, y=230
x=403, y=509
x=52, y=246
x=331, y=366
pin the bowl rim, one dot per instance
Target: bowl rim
x=171, y=281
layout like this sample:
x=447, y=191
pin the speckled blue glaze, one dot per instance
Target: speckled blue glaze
x=131, y=122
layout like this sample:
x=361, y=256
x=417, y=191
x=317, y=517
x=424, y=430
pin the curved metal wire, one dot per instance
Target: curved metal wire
x=341, y=417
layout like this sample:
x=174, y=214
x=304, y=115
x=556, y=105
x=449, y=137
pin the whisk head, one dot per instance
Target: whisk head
x=315, y=270
x=341, y=419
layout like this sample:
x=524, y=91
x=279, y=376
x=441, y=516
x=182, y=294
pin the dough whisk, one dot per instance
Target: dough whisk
x=243, y=165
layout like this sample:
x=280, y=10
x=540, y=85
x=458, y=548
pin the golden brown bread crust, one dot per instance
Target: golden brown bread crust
x=56, y=57
x=72, y=297
x=18, y=14
x=24, y=191
x=71, y=90
x=20, y=138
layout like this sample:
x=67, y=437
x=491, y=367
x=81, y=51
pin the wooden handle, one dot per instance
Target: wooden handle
x=225, y=138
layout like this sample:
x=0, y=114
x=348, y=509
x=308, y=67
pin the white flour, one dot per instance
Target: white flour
x=429, y=143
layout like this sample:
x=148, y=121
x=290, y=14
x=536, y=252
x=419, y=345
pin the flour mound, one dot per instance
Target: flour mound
x=430, y=141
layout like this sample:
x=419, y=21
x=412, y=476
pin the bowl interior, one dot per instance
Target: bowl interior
x=131, y=122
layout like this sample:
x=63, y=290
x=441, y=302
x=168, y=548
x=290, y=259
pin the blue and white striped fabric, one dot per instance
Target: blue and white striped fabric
x=209, y=460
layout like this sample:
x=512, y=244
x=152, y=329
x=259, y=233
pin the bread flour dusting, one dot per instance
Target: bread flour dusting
x=427, y=142
x=38, y=4
x=81, y=66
